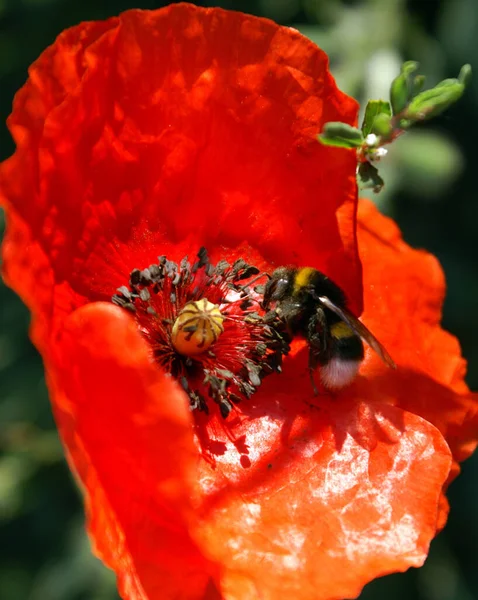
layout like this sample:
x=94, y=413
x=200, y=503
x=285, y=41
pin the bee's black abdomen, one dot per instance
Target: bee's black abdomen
x=349, y=348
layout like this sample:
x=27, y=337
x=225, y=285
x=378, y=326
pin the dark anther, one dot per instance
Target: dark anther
x=124, y=291
x=261, y=349
x=253, y=371
x=144, y=294
x=225, y=374
x=203, y=256
x=197, y=402
x=155, y=272
x=246, y=389
x=238, y=265
x=225, y=407
x=134, y=277
x=234, y=398
x=171, y=268
x=221, y=267
x=123, y=303
x=184, y=265
x=248, y=271
x=145, y=277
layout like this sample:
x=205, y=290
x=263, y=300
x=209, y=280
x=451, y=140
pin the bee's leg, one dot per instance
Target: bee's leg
x=317, y=333
x=312, y=366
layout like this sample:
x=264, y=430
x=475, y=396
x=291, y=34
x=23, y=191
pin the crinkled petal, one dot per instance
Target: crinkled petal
x=128, y=435
x=181, y=125
x=403, y=294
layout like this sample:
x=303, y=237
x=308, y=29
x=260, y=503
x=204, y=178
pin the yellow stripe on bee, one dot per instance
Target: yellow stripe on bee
x=341, y=330
x=302, y=278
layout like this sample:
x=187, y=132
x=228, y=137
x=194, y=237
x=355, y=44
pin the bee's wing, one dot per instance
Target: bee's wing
x=360, y=330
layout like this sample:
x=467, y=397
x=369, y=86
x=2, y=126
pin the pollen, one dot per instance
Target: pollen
x=197, y=327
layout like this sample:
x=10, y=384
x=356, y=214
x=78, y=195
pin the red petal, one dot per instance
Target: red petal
x=403, y=292
x=181, y=125
x=127, y=430
x=319, y=513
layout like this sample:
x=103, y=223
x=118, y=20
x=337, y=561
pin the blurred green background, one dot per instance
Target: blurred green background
x=430, y=190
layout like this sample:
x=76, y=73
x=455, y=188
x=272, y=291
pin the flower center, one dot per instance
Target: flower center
x=197, y=327
x=205, y=326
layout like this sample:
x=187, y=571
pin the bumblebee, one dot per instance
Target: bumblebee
x=314, y=307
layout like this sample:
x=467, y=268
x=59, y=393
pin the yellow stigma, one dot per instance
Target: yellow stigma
x=197, y=327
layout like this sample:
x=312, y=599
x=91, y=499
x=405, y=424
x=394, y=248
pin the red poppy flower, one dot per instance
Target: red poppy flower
x=157, y=133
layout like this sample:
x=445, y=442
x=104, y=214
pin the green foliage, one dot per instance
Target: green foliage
x=377, y=118
x=341, y=135
x=369, y=178
x=431, y=103
x=379, y=128
x=403, y=85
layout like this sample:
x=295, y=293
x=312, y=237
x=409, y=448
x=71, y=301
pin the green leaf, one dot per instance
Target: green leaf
x=402, y=85
x=432, y=102
x=409, y=67
x=340, y=135
x=375, y=109
x=417, y=85
x=369, y=178
x=382, y=125
x=399, y=94
x=464, y=76
x=446, y=83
